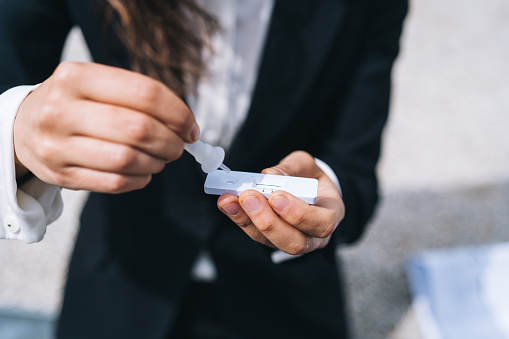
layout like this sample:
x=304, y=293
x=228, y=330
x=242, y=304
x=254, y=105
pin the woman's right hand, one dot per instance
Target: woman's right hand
x=100, y=128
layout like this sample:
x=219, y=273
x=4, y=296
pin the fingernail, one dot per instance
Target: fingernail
x=273, y=171
x=232, y=208
x=252, y=204
x=195, y=132
x=279, y=202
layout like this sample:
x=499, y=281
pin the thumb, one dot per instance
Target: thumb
x=272, y=170
x=298, y=164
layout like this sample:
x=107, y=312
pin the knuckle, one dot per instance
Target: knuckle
x=158, y=167
x=123, y=157
x=303, y=155
x=180, y=120
x=298, y=247
x=59, y=179
x=67, y=71
x=49, y=112
x=266, y=227
x=148, y=90
x=244, y=223
x=307, y=158
x=138, y=128
x=139, y=183
x=298, y=219
x=62, y=177
x=117, y=184
x=180, y=151
x=48, y=150
x=330, y=225
x=259, y=238
x=120, y=183
x=327, y=230
x=176, y=152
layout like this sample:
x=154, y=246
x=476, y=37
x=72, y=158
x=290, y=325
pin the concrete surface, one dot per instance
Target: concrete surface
x=444, y=170
x=408, y=222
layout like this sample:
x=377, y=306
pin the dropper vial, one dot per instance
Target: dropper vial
x=211, y=158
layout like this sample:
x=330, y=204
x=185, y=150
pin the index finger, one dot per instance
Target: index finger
x=132, y=90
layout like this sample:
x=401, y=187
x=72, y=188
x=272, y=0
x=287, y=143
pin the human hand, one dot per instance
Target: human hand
x=284, y=221
x=100, y=128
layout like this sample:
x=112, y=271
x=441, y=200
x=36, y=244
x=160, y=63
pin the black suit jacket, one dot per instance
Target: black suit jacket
x=324, y=85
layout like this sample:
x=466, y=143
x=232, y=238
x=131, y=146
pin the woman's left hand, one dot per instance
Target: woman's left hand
x=284, y=221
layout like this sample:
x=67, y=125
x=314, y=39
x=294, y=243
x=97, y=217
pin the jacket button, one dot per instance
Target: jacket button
x=11, y=224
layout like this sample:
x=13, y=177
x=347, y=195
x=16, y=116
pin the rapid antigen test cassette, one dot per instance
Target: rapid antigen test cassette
x=221, y=182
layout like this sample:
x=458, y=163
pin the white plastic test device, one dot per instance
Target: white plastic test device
x=221, y=182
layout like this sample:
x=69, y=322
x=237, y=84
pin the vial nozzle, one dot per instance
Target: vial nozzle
x=224, y=168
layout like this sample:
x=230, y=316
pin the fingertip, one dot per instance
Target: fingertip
x=195, y=132
x=251, y=204
x=226, y=199
x=232, y=208
x=279, y=202
x=287, y=205
x=272, y=170
x=249, y=193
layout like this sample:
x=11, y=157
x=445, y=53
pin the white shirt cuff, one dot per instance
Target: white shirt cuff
x=330, y=173
x=24, y=211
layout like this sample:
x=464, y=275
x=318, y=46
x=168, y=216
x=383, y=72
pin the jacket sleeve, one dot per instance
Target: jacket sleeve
x=32, y=34
x=353, y=150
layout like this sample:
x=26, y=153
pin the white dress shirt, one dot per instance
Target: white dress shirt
x=224, y=93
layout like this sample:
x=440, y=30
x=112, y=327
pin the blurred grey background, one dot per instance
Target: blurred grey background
x=444, y=173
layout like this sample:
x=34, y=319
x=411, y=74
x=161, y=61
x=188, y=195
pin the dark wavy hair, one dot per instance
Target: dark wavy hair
x=164, y=38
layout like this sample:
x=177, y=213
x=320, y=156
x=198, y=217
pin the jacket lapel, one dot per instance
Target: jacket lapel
x=299, y=37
